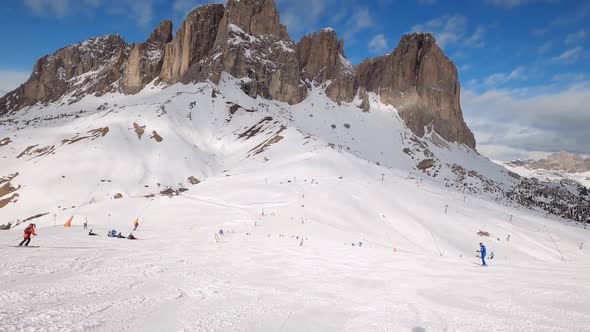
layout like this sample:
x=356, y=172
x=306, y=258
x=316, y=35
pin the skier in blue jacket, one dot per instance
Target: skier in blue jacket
x=482, y=251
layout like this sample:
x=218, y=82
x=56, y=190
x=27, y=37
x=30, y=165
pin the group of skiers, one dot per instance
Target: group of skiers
x=31, y=228
x=113, y=233
x=30, y=231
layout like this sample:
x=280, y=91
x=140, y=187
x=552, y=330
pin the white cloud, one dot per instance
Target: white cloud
x=139, y=11
x=569, y=56
x=360, y=19
x=575, y=37
x=501, y=78
x=448, y=29
x=544, y=48
x=378, y=44
x=305, y=16
x=476, y=39
x=507, y=122
x=569, y=77
x=59, y=8
x=507, y=3
x=11, y=79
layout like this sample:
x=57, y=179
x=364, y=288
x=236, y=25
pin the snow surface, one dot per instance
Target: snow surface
x=323, y=188
x=549, y=175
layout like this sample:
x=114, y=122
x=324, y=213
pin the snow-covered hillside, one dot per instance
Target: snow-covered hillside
x=296, y=190
x=582, y=178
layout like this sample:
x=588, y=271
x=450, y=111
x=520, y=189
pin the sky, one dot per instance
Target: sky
x=524, y=65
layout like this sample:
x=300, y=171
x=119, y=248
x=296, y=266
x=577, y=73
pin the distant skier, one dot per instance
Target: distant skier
x=30, y=230
x=482, y=250
x=221, y=232
x=85, y=223
x=135, y=224
x=91, y=233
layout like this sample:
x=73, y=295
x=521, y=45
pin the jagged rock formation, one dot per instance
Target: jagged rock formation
x=145, y=60
x=252, y=44
x=92, y=66
x=245, y=39
x=422, y=84
x=192, y=43
x=561, y=161
x=321, y=59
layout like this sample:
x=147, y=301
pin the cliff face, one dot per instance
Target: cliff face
x=192, y=43
x=146, y=59
x=90, y=67
x=422, y=84
x=321, y=59
x=245, y=39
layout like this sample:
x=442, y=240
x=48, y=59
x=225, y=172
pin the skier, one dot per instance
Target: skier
x=135, y=224
x=221, y=232
x=30, y=230
x=482, y=251
x=91, y=233
x=85, y=223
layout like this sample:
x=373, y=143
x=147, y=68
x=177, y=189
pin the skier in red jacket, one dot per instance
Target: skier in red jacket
x=30, y=230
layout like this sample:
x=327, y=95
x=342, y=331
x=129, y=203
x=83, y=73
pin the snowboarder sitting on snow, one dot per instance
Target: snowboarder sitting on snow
x=30, y=230
x=91, y=233
x=482, y=250
x=131, y=237
x=120, y=236
x=112, y=233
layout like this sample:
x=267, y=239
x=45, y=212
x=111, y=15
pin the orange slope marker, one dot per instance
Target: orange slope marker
x=69, y=222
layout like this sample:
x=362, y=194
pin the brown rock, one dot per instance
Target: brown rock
x=192, y=43
x=145, y=60
x=251, y=45
x=321, y=58
x=101, y=59
x=422, y=84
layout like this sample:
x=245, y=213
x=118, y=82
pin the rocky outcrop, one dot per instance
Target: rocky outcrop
x=246, y=40
x=251, y=45
x=321, y=59
x=192, y=43
x=89, y=67
x=422, y=84
x=560, y=161
x=145, y=61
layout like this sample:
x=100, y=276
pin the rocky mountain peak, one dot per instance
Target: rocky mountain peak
x=560, y=161
x=321, y=59
x=422, y=84
x=246, y=39
x=256, y=17
x=145, y=61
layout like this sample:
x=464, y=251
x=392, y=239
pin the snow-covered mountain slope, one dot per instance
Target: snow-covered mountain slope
x=548, y=175
x=192, y=159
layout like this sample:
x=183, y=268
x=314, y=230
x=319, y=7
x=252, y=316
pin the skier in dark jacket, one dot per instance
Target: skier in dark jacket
x=30, y=230
x=482, y=250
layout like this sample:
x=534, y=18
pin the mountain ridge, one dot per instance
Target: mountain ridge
x=246, y=39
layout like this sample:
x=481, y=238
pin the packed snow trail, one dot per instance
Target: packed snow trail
x=259, y=174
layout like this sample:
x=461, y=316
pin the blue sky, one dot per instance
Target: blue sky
x=524, y=64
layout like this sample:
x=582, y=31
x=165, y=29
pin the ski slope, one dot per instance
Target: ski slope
x=292, y=195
